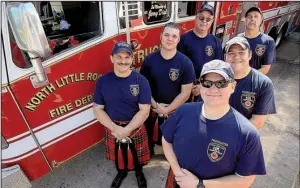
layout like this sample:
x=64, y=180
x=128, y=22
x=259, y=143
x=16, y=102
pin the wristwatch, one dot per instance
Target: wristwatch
x=200, y=184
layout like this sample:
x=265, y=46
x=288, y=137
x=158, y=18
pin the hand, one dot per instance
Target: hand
x=121, y=132
x=196, y=90
x=187, y=181
x=164, y=105
x=178, y=173
x=161, y=109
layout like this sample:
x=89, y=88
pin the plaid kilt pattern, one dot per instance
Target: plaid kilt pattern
x=171, y=182
x=139, y=139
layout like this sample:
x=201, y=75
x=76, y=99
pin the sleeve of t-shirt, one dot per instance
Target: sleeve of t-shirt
x=145, y=91
x=98, y=95
x=181, y=46
x=270, y=54
x=251, y=160
x=169, y=127
x=219, y=49
x=188, y=72
x=265, y=102
x=145, y=69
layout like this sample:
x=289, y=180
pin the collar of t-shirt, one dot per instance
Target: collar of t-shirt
x=240, y=79
x=204, y=116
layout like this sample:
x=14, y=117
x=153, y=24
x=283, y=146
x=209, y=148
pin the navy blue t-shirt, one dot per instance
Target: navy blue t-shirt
x=254, y=94
x=200, y=50
x=122, y=96
x=263, y=50
x=167, y=76
x=214, y=148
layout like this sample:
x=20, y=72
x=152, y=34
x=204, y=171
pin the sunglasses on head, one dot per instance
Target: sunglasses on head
x=202, y=18
x=219, y=84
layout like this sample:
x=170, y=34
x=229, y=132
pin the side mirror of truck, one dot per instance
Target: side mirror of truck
x=30, y=37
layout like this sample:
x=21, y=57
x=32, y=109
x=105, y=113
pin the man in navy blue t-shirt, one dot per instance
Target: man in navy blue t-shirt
x=209, y=143
x=262, y=45
x=122, y=101
x=171, y=75
x=254, y=94
x=199, y=45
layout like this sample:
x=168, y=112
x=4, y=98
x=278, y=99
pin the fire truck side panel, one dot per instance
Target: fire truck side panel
x=68, y=146
x=12, y=122
x=34, y=166
x=16, y=133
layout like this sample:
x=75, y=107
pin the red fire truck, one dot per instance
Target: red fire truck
x=53, y=52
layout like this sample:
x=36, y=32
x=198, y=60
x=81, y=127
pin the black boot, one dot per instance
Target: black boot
x=118, y=179
x=141, y=180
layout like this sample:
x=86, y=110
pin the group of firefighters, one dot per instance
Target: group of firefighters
x=208, y=102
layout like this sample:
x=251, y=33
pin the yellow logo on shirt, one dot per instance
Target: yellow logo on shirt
x=248, y=99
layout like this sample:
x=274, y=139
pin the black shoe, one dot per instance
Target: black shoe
x=152, y=152
x=141, y=180
x=118, y=179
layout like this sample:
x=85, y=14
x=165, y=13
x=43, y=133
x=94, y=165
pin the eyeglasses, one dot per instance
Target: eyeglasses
x=219, y=84
x=202, y=18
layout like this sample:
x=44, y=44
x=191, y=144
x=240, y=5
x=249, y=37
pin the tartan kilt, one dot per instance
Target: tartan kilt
x=139, y=140
x=171, y=182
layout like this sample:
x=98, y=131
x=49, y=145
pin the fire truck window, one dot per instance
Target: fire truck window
x=186, y=8
x=134, y=13
x=156, y=12
x=66, y=24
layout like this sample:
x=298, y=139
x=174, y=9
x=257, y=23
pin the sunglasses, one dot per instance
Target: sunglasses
x=202, y=18
x=219, y=84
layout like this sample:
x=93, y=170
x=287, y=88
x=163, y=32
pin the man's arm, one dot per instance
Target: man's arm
x=179, y=100
x=229, y=181
x=171, y=157
x=219, y=49
x=258, y=120
x=139, y=118
x=154, y=103
x=102, y=117
x=269, y=57
x=264, y=69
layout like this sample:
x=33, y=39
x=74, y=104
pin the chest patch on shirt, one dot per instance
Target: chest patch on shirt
x=248, y=99
x=209, y=50
x=173, y=74
x=134, y=89
x=216, y=150
x=260, y=49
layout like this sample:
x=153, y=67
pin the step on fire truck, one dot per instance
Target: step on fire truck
x=53, y=52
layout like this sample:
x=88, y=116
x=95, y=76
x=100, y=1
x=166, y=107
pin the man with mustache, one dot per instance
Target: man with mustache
x=122, y=101
x=262, y=45
x=209, y=143
x=171, y=75
x=199, y=45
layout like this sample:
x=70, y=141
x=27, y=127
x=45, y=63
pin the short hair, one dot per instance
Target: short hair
x=171, y=25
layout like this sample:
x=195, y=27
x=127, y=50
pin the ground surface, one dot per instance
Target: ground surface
x=280, y=139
